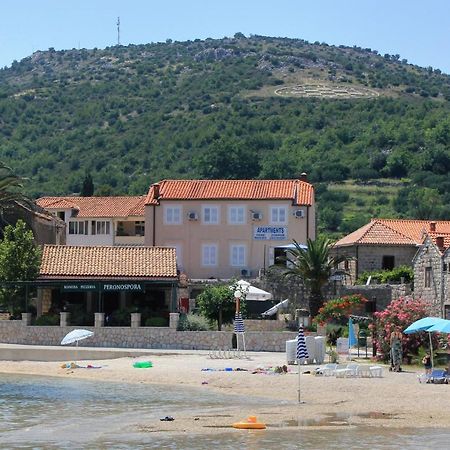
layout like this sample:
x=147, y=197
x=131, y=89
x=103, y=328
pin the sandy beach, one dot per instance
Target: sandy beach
x=396, y=400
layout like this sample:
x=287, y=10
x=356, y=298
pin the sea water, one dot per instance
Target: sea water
x=57, y=413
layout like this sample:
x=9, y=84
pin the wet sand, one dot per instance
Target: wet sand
x=396, y=400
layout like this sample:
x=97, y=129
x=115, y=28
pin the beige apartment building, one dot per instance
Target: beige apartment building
x=229, y=228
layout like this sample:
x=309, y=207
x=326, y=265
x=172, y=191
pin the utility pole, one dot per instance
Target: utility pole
x=118, y=31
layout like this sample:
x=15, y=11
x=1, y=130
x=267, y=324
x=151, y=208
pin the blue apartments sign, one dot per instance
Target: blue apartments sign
x=269, y=233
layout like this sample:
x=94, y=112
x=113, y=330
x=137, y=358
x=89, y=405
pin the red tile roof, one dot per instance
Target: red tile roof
x=97, y=206
x=393, y=232
x=445, y=236
x=300, y=192
x=73, y=262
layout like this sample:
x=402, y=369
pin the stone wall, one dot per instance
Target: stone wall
x=382, y=294
x=15, y=332
x=429, y=257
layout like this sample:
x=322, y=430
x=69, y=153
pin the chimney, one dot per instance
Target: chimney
x=440, y=242
x=303, y=177
x=432, y=226
x=155, y=191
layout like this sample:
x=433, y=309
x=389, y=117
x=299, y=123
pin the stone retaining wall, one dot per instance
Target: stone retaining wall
x=16, y=332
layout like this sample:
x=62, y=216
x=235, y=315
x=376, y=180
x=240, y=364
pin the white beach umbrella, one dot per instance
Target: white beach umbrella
x=252, y=292
x=75, y=336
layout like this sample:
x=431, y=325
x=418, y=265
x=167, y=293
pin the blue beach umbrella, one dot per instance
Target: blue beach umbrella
x=301, y=354
x=422, y=324
x=441, y=327
x=352, y=341
x=425, y=324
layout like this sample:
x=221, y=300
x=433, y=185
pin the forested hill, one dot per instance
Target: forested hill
x=256, y=107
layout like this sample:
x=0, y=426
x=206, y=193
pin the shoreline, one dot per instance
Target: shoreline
x=397, y=400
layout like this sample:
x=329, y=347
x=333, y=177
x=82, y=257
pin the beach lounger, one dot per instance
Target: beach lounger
x=351, y=371
x=437, y=376
x=328, y=370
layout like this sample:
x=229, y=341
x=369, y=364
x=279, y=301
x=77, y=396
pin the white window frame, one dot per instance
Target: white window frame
x=101, y=227
x=236, y=211
x=210, y=259
x=238, y=255
x=275, y=215
x=207, y=210
x=173, y=215
x=78, y=227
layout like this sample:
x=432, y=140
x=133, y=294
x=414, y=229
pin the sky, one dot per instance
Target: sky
x=417, y=30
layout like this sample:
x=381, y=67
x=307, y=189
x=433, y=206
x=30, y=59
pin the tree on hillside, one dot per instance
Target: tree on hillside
x=19, y=261
x=87, y=190
x=10, y=192
x=314, y=266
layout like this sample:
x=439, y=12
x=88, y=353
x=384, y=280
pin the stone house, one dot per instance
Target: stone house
x=384, y=244
x=431, y=273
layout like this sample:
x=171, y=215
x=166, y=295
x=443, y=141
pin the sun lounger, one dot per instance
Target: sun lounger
x=351, y=371
x=437, y=376
x=328, y=370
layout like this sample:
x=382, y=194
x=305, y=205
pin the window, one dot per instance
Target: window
x=236, y=215
x=100, y=227
x=427, y=277
x=139, y=228
x=209, y=254
x=61, y=215
x=210, y=214
x=388, y=262
x=278, y=215
x=78, y=227
x=172, y=215
x=237, y=255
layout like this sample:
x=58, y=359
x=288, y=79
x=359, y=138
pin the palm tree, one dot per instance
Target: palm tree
x=314, y=265
x=10, y=190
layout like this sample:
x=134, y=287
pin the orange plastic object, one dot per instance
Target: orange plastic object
x=250, y=424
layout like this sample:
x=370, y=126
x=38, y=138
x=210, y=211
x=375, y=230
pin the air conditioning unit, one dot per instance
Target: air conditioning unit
x=256, y=215
x=299, y=213
x=192, y=215
x=245, y=273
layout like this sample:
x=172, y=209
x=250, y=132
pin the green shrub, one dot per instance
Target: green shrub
x=193, y=322
x=387, y=276
x=156, y=322
x=48, y=320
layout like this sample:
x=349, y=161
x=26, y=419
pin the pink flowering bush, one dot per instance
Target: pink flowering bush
x=399, y=314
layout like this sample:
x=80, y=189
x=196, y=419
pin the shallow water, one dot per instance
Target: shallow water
x=53, y=413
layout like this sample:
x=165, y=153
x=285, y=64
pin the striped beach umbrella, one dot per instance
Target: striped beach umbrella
x=238, y=323
x=239, y=330
x=302, y=351
x=301, y=355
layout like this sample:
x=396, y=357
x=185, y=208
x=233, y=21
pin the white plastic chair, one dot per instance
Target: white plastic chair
x=376, y=371
x=351, y=371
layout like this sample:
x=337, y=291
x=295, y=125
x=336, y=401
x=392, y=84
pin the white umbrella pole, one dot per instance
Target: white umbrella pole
x=243, y=341
x=299, y=376
x=431, y=350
